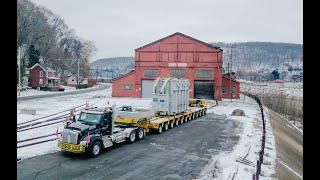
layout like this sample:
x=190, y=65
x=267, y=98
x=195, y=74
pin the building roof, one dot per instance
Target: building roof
x=43, y=66
x=124, y=75
x=178, y=33
x=227, y=77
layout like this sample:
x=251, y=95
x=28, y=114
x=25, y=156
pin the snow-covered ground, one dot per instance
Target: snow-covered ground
x=290, y=89
x=34, y=92
x=224, y=165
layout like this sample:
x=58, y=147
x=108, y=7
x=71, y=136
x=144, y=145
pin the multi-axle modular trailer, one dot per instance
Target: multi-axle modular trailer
x=158, y=123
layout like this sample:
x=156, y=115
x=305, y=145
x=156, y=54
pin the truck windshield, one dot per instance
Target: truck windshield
x=89, y=118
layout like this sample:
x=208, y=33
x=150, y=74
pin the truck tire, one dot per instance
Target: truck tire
x=140, y=133
x=171, y=124
x=95, y=149
x=166, y=126
x=160, y=129
x=132, y=137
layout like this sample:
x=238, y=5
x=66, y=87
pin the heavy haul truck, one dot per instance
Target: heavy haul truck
x=98, y=128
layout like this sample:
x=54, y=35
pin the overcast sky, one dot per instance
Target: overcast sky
x=117, y=27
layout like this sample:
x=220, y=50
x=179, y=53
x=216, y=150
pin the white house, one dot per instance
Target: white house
x=72, y=80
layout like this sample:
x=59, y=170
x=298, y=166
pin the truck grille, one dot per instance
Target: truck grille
x=69, y=136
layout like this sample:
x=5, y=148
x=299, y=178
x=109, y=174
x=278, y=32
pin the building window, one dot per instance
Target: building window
x=233, y=89
x=151, y=72
x=127, y=86
x=204, y=73
x=40, y=81
x=224, y=89
x=177, y=73
x=41, y=73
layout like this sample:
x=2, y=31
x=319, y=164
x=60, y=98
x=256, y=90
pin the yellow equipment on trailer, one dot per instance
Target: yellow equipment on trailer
x=158, y=123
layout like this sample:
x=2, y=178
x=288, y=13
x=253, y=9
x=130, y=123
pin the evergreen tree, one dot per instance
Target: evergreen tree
x=34, y=56
x=275, y=74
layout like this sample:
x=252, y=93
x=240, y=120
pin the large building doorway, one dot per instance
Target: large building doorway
x=146, y=88
x=204, y=89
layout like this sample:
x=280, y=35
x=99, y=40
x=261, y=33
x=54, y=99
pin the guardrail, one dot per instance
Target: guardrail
x=256, y=175
x=100, y=87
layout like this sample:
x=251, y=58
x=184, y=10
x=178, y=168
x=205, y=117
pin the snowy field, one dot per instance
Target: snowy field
x=289, y=88
x=224, y=165
x=33, y=92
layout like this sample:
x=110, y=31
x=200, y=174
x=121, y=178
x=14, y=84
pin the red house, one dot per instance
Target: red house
x=176, y=55
x=42, y=75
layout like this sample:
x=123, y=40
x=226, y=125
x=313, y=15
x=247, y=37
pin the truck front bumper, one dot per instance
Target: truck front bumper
x=71, y=147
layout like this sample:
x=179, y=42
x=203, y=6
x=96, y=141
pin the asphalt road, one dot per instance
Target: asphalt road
x=289, y=146
x=178, y=153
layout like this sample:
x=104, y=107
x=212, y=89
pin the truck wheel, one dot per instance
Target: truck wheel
x=95, y=149
x=177, y=122
x=166, y=126
x=140, y=133
x=171, y=124
x=160, y=129
x=132, y=137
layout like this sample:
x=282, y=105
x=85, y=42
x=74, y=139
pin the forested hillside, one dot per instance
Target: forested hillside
x=260, y=55
x=44, y=37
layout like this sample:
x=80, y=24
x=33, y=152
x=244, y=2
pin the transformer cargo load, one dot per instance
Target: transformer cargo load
x=170, y=96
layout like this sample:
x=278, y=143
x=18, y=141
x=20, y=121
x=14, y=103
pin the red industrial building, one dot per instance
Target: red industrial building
x=181, y=56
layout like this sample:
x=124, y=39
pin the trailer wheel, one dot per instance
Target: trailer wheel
x=166, y=126
x=160, y=129
x=171, y=124
x=132, y=137
x=95, y=149
x=177, y=122
x=140, y=133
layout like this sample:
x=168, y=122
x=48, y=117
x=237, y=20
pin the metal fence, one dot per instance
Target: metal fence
x=256, y=175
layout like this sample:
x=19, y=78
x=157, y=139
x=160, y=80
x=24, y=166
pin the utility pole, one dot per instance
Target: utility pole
x=19, y=57
x=78, y=71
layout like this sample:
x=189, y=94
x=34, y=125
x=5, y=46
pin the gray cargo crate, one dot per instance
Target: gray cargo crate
x=170, y=96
